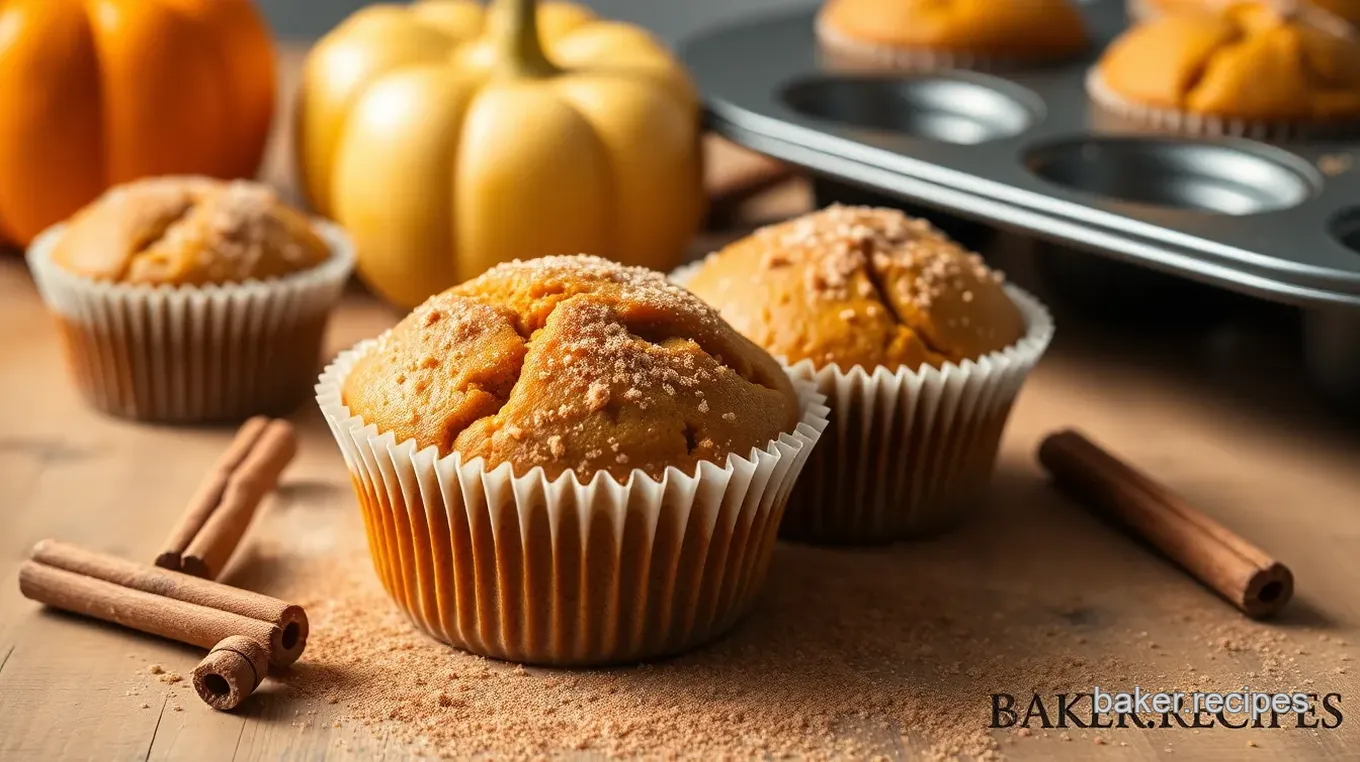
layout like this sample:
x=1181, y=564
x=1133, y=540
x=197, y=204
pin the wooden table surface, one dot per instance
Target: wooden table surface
x=1219, y=412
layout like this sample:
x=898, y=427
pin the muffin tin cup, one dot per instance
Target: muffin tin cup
x=187, y=354
x=559, y=571
x=909, y=452
x=1212, y=125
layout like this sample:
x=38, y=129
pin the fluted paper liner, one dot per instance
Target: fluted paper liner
x=1214, y=125
x=908, y=451
x=557, y=571
x=193, y=353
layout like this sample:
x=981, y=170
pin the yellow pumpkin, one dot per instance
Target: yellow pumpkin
x=93, y=94
x=448, y=138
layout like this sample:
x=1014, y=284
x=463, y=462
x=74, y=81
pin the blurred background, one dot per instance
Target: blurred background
x=669, y=19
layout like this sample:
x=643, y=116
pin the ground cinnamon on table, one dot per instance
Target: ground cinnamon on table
x=890, y=651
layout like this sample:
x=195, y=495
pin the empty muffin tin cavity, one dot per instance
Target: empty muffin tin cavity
x=950, y=108
x=1233, y=179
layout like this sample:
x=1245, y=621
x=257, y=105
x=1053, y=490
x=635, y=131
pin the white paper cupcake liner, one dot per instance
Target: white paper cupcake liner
x=180, y=354
x=556, y=571
x=1213, y=125
x=908, y=452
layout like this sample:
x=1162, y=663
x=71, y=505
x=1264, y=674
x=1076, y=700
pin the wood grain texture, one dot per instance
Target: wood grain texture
x=1221, y=416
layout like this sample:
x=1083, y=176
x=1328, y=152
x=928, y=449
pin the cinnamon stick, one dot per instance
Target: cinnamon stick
x=286, y=642
x=231, y=671
x=136, y=609
x=225, y=503
x=1242, y=573
x=209, y=493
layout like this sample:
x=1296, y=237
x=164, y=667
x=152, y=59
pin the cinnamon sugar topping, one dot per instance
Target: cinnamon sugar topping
x=190, y=230
x=539, y=362
x=844, y=240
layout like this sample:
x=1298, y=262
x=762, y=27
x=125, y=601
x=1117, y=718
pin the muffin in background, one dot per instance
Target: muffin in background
x=1242, y=69
x=1141, y=10
x=186, y=299
x=964, y=34
x=189, y=231
x=860, y=286
x=917, y=345
x=568, y=461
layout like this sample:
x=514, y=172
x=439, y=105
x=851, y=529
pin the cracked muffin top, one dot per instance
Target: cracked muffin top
x=1248, y=60
x=859, y=286
x=573, y=363
x=188, y=231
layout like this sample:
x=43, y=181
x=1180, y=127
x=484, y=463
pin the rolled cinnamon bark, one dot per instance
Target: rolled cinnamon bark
x=209, y=493
x=255, y=476
x=286, y=642
x=231, y=671
x=1246, y=576
x=139, y=610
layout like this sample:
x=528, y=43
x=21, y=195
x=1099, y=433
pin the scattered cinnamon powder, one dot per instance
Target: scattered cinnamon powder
x=849, y=653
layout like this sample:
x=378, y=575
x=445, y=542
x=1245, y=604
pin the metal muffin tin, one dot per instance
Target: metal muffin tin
x=1026, y=150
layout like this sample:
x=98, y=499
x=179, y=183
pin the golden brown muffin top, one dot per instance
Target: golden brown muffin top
x=1345, y=9
x=189, y=231
x=1021, y=29
x=860, y=286
x=573, y=363
x=1247, y=60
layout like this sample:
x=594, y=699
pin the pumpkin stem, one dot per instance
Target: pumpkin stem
x=521, y=51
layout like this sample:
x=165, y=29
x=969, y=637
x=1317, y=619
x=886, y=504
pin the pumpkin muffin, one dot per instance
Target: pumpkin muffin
x=189, y=231
x=914, y=340
x=600, y=438
x=191, y=299
x=1248, y=69
x=573, y=363
x=981, y=34
x=1348, y=10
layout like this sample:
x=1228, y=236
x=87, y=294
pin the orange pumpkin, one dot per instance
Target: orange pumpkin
x=101, y=92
